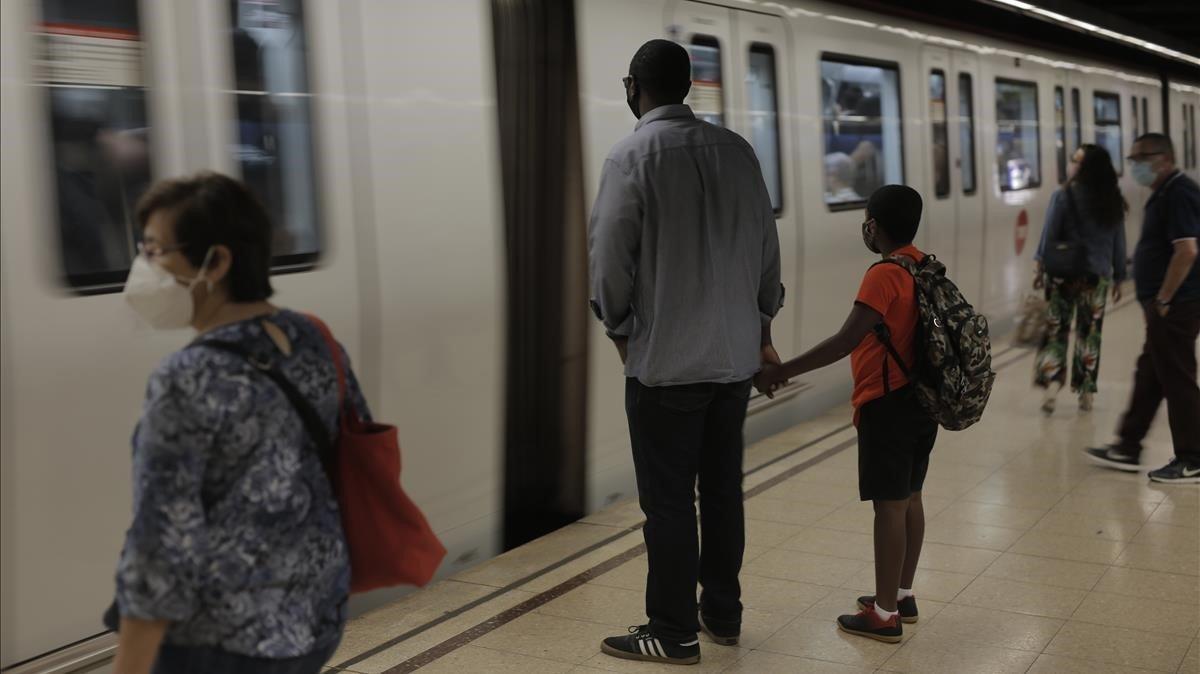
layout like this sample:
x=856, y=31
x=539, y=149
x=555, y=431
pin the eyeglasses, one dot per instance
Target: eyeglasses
x=627, y=81
x=1143, y=155
x=155, y=251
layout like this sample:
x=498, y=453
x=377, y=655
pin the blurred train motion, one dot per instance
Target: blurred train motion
x=375, y=133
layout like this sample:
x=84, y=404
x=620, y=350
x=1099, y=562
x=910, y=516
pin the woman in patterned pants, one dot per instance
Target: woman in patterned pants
x=1091, y=205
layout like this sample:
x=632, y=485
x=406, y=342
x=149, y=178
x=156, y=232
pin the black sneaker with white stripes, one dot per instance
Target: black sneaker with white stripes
x=640, y=644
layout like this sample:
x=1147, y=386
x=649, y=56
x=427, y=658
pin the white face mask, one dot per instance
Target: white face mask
x=156, y=296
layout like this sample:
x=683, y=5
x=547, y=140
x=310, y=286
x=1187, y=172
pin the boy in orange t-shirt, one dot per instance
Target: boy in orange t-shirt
x=895, y=435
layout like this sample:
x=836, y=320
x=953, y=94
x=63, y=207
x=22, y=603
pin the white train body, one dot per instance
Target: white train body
x=408, y=265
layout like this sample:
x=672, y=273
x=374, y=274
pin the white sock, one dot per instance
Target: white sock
x=903, y=594
x=883, y=613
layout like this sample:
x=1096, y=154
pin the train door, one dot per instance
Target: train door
x=739, y=81
x=92, y=115
x=1015, y=99
x=707, y=33
x=954, y=209
x=761, y=61
x=965, y=137
x=940, y=222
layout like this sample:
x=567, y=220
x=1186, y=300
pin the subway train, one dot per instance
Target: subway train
x=369, y=128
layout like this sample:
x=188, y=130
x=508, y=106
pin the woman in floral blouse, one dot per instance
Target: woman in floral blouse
x=235, y=560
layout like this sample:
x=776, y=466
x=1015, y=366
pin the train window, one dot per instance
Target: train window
x=763, y=104
x=273, y=142
x=1192, y=129
x=1136, y=119
x=939, y=133
x=706, y=97
x=1076, y=121
x=1145, y=116
x=1018, y=146
x=1107, y=111
x=1187, y=146
x=861, y=123
x=966, y=132
x=1189, y=136
x=1192, y=125
x=1060, y=134
x=90, y=64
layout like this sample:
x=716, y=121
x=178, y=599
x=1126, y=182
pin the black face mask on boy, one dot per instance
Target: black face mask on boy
x=869, y=237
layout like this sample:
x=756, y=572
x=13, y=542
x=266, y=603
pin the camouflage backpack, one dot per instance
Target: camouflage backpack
x=953, y=370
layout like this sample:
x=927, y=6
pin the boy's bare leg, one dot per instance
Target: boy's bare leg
x=890, y=544
x=914, y=530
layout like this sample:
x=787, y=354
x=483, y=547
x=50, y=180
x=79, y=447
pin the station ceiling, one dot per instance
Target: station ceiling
x=1172, y=24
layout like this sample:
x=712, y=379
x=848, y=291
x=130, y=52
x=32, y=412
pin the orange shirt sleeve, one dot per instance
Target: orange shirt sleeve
x=881, y=286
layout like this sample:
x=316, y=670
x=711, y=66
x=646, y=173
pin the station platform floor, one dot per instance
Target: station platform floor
x=1034, y=560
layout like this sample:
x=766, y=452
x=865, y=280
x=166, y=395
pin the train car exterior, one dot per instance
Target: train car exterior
x=369, y=126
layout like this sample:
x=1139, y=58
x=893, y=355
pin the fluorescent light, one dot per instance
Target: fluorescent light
x=1092, y=28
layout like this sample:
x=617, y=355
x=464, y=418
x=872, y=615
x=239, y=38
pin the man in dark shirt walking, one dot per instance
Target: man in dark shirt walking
x=1168, y=287
x=685, y=276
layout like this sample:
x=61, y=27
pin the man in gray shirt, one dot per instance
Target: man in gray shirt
x=684, y=258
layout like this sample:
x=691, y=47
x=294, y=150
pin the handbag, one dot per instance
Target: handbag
x=389, y=539
x=1067, y=257
x=1032, y=322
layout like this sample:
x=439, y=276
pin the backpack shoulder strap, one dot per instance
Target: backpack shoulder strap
x=308, y=415
x=884, y=334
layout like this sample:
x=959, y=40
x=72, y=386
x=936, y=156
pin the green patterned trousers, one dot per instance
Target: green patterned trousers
x=1082, y=301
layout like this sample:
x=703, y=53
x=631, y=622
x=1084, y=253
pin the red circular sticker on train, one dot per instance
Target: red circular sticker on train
x=1022, y=230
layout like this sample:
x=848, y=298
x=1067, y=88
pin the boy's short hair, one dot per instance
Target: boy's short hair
x=897, y=210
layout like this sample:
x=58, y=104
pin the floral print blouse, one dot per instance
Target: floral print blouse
x=236, y=538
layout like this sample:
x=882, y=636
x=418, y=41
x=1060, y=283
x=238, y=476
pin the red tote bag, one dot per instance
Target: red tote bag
x=390, y=541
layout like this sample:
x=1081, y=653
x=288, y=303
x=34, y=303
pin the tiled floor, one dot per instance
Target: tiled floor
x=1035, y=561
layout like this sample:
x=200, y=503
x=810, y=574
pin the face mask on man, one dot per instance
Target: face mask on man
x=1143, y=173
x=631, y=96
x=156, y=295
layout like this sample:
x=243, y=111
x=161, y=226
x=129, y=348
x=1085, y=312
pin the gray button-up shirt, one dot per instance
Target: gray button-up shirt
x=683, y=251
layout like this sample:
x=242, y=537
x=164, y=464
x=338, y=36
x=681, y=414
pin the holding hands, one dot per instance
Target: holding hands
x=770, y=378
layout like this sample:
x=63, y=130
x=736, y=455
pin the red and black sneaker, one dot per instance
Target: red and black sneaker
x=868, y=624
x=906, y=606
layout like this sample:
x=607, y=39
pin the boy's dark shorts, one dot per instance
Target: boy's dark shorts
x=895, y=437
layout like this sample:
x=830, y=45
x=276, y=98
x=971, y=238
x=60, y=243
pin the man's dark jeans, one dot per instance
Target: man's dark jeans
x=679, y=434
x=1167, y=369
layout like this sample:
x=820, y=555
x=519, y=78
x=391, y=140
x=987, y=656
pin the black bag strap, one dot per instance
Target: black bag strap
x=1073, y=214
x=308, y=415
x=884, y=334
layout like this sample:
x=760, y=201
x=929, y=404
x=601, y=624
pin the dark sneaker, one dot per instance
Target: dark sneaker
x=868, y=624
x=1112, y=457
x=906, y=606
x=723, y=634
x=640, y=644
x=1176, y=472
